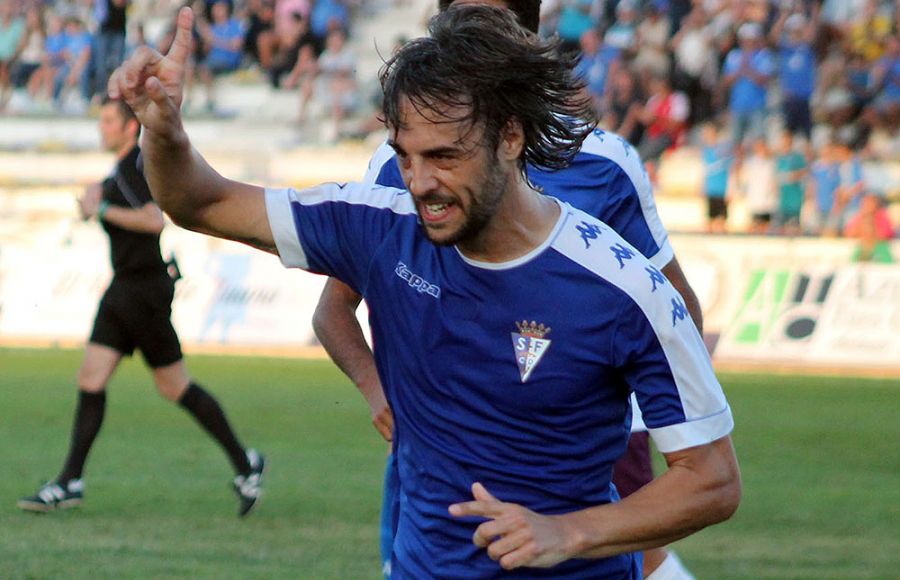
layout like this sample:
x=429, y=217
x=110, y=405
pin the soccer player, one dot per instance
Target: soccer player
x=510, y=327
x=135, y=314
x=607, y=180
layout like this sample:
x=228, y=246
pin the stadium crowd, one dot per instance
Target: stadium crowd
x=802, y=95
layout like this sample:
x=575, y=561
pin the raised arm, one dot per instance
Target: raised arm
x=339, y=332
x=183, y=184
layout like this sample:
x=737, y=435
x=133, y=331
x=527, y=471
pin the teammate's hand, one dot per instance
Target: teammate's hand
x=153, y=84
x=382, y=416
x=513, y=535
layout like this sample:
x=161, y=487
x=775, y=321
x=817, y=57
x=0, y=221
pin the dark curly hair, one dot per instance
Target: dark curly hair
x=478, y=59
x=528, y=11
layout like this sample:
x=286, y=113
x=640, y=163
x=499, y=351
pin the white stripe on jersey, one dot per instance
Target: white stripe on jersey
x=620, y=152
x=707, y=415
x=281, y=215
x=382, y=155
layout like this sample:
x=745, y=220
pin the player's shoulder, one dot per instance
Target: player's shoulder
x=362, y=195
x=597, y=248
x=614, y=153
x=382, y=156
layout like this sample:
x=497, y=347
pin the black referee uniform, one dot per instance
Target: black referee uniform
x=135, y=311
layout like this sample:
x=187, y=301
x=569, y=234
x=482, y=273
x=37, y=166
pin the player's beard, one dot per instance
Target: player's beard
x=482, y=206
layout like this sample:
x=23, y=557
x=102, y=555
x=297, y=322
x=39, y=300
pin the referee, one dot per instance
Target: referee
x=134, y=313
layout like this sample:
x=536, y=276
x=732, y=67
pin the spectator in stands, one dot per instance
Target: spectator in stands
x=296, y=44
x=790, y=170
x=756, y=177
x=746, y=72
x=12, y=28
x=665, y=117
x=337, y=78
x=822, y=191
x=622, y=34
x=624, y=96
x=328, y=15
x=109, y=42
x=54, y=45
x=74, y=72
x=885, y=80
x=594, y=65
x=575, y=18
x=224, y=40
x=793, y=36
x=260, y=38
x=695, y=65
x=717, y=161
x=871, y=225
x=31, y=50
x=652, y=41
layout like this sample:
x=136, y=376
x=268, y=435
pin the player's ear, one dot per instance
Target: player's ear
x=512, y=140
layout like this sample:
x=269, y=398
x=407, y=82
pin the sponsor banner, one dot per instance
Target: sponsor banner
x=799, y=302
x=230, y=295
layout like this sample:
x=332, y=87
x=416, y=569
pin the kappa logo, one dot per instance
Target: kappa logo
x=530, y=346
x=416, y=282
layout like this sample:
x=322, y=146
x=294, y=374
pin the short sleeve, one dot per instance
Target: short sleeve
x=335, y=229
x=665, y=362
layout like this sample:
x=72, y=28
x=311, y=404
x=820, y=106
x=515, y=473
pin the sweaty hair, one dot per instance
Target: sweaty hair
x=124, y=111
x=528, y=11
x=478, y=60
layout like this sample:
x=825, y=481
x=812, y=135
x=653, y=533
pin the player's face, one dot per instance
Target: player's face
x=456, y=181
x=113, y=133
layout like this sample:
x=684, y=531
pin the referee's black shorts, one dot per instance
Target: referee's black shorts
x=135, y=313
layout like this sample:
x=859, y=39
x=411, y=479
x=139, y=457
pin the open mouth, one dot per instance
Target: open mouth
x=435, y=212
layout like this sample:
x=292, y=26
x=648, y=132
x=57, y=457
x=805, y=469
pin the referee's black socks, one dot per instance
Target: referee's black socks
x=207, y=411
x=88, y=419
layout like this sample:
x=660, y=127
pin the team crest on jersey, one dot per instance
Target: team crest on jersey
x=530, y=345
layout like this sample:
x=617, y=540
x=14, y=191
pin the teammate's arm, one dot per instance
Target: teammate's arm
x=338, y=330
x=185, y=186
x=701, y=487
x=676, y=276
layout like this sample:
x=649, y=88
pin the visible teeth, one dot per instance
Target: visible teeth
x=436, y=207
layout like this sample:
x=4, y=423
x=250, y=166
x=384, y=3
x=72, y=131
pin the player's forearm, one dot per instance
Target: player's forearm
x=180, y=180
x=337, y=328
x=702, y=487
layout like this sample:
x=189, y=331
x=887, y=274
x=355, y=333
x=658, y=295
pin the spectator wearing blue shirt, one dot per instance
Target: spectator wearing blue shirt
x=797, y=70
x=575, y=19
x=747, y=71
x=594, y=64
x=327, y=15
x=224, y=39
x=109, y=41
x=822, y=190
x=885, y=80
x=717, y=160
x=76, y=55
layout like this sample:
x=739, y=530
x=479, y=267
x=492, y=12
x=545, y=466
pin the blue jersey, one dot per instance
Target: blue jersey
x=606, y=179
x=516, y=375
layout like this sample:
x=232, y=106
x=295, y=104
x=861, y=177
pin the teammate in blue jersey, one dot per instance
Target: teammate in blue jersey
x=510, y=327
x=607, y=180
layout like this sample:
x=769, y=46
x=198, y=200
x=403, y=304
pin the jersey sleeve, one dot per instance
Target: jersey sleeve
x=625, y=194
x=334, y=229
x=665, y=362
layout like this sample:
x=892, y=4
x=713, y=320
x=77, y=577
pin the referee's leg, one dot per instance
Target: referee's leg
x=174, y=383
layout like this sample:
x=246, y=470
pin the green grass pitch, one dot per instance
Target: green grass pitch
x=819, y=456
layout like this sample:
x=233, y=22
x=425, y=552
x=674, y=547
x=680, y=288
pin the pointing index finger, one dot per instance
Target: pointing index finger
x=181, y=45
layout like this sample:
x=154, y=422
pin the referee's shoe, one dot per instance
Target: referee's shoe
x=54, y=496
x=249, y=486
